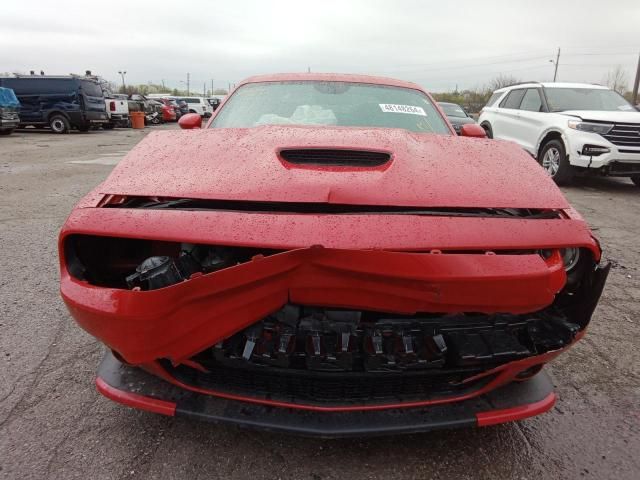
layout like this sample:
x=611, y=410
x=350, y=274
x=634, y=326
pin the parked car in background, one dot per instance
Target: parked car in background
x=457, y=115
x=9, y=111
x=132, y=104
x=152, y=108
x=569, y=128
x=329, y=258
x=214, y=102
x=117, y=109
x=168, y=112
x=58, y=102
x=182, y=106
x=197, y=105
x=177, y=113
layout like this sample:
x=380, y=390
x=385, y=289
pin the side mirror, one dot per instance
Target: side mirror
x=472, y=130
x=193, y=120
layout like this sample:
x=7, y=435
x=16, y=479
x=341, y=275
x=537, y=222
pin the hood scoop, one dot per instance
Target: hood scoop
x=335, y=157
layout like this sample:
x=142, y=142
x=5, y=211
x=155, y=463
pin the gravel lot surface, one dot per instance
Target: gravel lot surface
x=53, y=423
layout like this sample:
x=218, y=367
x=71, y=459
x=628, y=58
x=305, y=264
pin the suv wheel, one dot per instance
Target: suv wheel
x=553, y=159
x=636, y=179
x=487, y=129
x=59, y=124
x=6, y=132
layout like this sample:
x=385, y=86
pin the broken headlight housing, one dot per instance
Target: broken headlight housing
x=570, y=257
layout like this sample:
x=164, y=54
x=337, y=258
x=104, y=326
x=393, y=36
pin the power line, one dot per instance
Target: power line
x=545, y=57
x=536, y=52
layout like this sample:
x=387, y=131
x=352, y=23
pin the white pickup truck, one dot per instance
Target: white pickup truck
x=117, y=109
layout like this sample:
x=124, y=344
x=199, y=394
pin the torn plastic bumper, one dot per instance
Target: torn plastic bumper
x=135, y=388
x=181, y=320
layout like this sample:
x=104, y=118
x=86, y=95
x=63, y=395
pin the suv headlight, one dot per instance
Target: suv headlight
x=600, y=128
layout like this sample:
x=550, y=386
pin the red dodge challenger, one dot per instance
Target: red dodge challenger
x=327, y=257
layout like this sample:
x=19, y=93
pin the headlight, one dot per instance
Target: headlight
x=600, y=128
x=570, y=257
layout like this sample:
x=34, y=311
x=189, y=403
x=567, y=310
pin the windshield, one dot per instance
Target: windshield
x=561, y=99
x=8, y=98
x=330, y=103
x=453, y=110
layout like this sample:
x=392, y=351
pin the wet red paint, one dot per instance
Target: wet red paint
x=426, y=170
x=136, y=401
x=520, y=412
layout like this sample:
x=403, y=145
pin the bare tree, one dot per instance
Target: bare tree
x=502, y=80
x=618, y=80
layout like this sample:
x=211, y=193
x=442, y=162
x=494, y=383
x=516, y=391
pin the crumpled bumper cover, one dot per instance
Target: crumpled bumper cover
x=179, y=321
x=133, y=387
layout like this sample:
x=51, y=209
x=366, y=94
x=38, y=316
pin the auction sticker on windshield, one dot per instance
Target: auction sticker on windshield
x=393, y=108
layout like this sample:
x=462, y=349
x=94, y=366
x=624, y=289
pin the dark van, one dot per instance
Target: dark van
x=58, y=102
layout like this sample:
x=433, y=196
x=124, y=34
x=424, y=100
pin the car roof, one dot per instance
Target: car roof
x=332, y=77
x=552, y=85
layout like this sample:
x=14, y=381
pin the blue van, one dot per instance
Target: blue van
x=9, y=107
x=58, y=102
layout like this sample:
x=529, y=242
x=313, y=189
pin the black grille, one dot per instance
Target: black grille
x=624, y=134
x=345, y=158
x=622, y=168
x=328, y=388
x=317, y=356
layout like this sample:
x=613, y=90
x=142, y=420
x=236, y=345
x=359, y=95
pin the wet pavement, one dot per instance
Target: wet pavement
x=53, y=423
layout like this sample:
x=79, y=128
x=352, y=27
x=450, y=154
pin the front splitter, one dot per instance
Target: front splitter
x=136, y=388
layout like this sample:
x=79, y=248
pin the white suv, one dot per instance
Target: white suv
x=197, y=105
x=568, y=127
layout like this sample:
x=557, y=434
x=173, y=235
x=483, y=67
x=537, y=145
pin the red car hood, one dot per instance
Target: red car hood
x=426, y=170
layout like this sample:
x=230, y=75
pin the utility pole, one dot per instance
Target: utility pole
x=555, y=72
x=212, y=87
x=229, y=89
x=188, y=93
x=204, y=89
x=634, y=97
x=163, y=87
x=122, y=74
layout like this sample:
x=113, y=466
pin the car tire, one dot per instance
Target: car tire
x=487, y=129
x=59, y=124
x=6, y=132
x=109, y=126
x=553, y=158
x=636, y=179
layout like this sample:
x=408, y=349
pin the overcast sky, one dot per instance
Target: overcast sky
x=436, y=44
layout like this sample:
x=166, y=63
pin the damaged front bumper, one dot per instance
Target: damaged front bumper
x=377, y=320
x=181, y=320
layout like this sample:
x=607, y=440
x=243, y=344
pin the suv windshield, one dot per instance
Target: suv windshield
x=561, y=99
x=325, y=103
